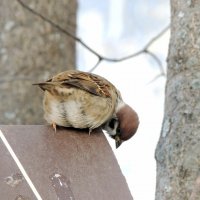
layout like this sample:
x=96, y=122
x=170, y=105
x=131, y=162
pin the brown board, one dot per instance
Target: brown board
x=67, y=165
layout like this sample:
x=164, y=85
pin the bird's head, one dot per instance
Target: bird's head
x=124, y=126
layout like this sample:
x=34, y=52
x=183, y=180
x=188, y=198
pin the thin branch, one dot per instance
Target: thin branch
x=156, y=78
x=143, y=50
x=162, y=71
x=155, y=57
x=53, y=24
x=100, y=57
x=157, y=36
x=96, y=65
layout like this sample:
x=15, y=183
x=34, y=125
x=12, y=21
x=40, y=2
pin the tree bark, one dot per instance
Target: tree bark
x=178, y=149
x=31, y=50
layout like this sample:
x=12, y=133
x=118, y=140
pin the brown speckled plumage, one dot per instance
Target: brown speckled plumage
x=84, y=100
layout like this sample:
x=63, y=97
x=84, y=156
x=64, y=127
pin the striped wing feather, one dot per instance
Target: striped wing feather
x=91, y=83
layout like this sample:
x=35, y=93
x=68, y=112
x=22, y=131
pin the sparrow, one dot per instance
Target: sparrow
x=84, y=100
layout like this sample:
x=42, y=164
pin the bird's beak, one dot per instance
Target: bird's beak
x=118, y=141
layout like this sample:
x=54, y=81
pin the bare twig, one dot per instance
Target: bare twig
x=100, y=57
x=156, y=78
x=154, y=56
x=96, y=65
x=59, y=28
x=162, y=71
x=156, y=37
x=143, y=50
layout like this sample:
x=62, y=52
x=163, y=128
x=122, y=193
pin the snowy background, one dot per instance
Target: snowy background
x=116, y=29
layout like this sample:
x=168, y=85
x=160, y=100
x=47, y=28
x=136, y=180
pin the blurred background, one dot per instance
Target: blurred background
x=32, y=50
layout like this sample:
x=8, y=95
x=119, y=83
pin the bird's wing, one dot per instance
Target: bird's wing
x=91, y=83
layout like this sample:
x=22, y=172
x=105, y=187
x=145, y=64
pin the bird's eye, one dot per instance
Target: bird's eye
x=118, y=129
x=112, y=123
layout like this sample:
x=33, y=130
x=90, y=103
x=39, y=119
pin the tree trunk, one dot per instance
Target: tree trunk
x=31, y=50
x=178, y=149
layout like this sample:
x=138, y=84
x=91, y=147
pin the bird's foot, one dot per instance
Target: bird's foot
x=90, y=131
x=54, y=126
